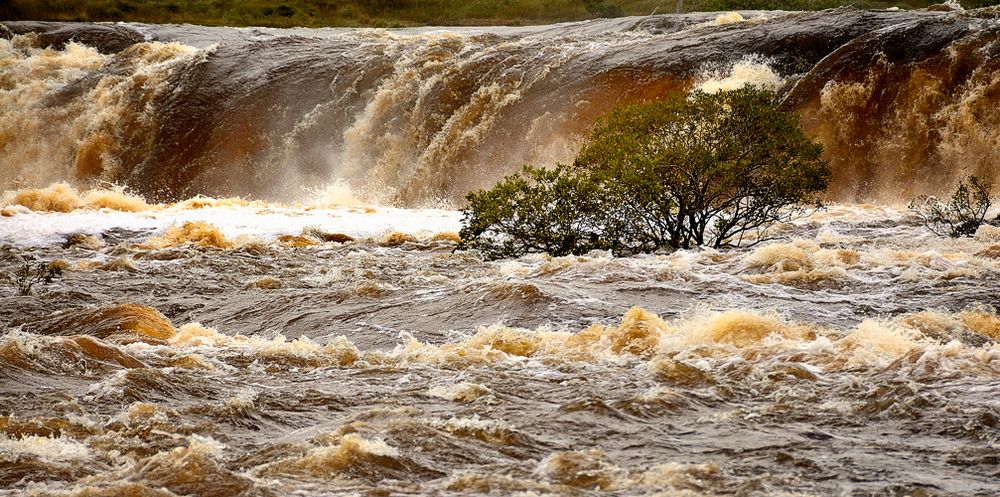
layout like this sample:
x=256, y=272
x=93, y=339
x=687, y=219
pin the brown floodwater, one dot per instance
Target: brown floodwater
x=319, y=335
x=854, y=355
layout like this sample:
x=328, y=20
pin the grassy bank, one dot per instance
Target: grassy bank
x=394, y=13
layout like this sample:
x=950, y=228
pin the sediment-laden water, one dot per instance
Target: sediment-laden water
x=903, y=101
x=224, y=348
x=320, y=335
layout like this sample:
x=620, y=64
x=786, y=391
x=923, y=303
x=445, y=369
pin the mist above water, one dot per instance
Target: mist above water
x=901, y=100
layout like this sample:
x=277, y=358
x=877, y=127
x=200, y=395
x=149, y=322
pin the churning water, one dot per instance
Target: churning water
x=307, y=328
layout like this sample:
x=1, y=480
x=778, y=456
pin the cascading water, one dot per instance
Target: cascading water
x=414, y=117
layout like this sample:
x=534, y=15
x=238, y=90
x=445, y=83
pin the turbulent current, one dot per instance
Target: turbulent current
x=903, y=101
x=260, y=294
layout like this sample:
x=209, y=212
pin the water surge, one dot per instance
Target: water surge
x=419, y=117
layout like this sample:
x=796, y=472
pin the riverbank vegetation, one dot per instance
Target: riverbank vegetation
x=396, y=13
x=692, y=170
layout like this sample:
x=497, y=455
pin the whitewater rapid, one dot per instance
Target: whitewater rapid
x=230, y=347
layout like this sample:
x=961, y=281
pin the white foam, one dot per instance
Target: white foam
x=752, y=70
x=49, y=449
x=34, y=229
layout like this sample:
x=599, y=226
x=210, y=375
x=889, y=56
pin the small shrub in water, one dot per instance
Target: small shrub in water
x=960, y=216
x=28, y=273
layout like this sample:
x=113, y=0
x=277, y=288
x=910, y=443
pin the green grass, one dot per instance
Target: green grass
x=393, y=13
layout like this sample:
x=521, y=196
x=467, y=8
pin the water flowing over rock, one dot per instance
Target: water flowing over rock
x=419, y=116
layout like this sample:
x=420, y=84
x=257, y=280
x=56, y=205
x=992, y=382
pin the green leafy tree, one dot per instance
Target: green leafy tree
x=962, y=215
x=698, y=169
x=707, y=169
x=536, y=210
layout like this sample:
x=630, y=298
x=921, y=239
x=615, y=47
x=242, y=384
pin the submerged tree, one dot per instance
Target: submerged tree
x=708, y=169
x=960, y=216
x=536, y=210
x=699, y=169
